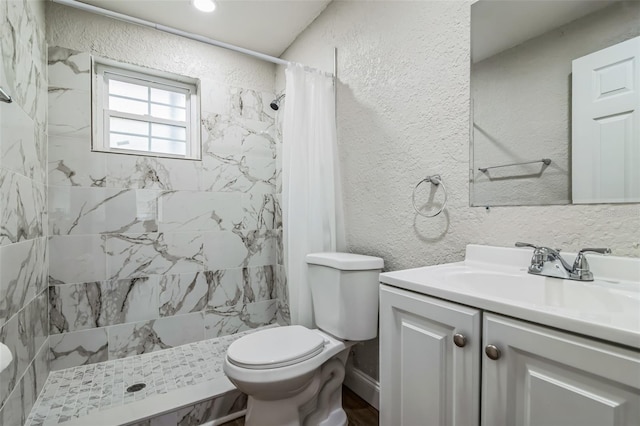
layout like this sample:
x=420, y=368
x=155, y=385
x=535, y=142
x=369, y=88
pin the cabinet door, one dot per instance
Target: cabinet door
x=551, y=378
x=425, y=379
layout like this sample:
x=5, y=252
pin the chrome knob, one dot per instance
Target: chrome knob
x=492, y=352
x=459, y=340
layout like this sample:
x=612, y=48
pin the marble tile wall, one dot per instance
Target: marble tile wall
x=23, y=207
x=148, y=253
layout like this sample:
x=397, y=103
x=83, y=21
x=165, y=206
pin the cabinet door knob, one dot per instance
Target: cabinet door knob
x=492, y=352
x=459, y=340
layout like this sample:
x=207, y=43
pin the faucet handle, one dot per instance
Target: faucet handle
x=533, y=246
x=581, y=266
x=538, y=258
x=596, y=250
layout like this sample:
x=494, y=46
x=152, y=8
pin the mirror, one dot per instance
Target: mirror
x=555, y=102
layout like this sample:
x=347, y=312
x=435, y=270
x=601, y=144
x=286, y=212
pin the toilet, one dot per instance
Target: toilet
x=293, y=375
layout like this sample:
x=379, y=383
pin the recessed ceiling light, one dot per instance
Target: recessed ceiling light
x=204, y=5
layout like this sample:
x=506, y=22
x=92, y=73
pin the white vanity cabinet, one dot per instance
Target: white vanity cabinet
x=548, y=377
x=541, y=376
x=426, y=378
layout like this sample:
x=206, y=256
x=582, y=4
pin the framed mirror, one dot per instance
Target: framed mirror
x=555, y=102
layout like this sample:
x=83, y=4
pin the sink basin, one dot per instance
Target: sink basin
x=496, y=279
x=588, y=297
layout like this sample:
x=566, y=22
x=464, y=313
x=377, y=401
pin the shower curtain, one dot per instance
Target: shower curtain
x=311, y=198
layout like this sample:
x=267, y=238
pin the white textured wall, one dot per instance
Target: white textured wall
x=74, y=29
x=522, y=108
x=403, y=113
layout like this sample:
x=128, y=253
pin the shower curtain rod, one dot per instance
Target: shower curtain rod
x=170, y=30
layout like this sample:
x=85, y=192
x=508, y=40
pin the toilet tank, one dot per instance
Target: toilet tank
x=344, y=290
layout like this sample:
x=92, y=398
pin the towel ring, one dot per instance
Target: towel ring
x=434, y=180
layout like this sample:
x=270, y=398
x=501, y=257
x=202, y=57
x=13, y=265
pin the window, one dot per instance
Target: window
x=142, y=112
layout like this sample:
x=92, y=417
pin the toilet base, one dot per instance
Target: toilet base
x=319, y=403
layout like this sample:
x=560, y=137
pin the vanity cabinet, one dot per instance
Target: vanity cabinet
x=426, y=378
x=548, y=377
x=540, y=376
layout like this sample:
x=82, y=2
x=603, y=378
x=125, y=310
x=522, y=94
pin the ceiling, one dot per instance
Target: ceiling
x=266, y=26
x=498, y=25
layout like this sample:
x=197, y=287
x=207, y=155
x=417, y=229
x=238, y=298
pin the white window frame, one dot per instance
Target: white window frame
x=104, y=70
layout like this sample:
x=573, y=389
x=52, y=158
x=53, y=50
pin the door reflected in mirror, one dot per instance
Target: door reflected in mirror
x=555, y=102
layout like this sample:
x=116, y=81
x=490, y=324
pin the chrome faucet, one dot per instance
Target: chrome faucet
x=549, y=263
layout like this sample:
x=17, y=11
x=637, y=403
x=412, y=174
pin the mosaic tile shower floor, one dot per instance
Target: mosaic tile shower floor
x=75, y=392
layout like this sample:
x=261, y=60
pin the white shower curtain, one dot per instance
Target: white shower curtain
x=311, y=196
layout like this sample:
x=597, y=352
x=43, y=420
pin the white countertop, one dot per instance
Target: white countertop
x=495, y=279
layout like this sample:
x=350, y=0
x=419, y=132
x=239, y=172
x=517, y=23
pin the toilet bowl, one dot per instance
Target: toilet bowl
x=293, y=375
x=278, y=383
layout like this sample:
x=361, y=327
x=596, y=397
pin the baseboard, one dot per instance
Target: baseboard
x=363, y=385
x=225, y=419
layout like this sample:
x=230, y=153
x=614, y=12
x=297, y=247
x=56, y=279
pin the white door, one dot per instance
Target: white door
x=606, y=125
x=426, y=379
x=545, y=377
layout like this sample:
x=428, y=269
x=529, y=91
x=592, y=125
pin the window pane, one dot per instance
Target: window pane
x=129, y=90
x=169, y=98
x=169, y=132
x=122, y=125
x=169, y=147
x=127, y=105
x=168, y=113
x=128, y=142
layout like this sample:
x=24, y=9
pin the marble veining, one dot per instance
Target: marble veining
x=25, y=335
x=78, y=348
x=141, y=172
x=135, y=255
x=19, y=402
x=101, y=210
x=23, y=275
x=75, y=392
x=144, y=337
x=69, y=68
x=23, y=56
x=282, y=295
x=261, y=211
x=251, y=104
x=77, y=259
x=22, y=143
x=234, y=172
x=75, y=307
x=69, y=112
x=23, y=207
x=237, y=248
x=71, y=163
x=208, y=211
x=228, y=320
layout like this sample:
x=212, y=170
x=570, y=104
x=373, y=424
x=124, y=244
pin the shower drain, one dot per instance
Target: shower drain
x=136, y=387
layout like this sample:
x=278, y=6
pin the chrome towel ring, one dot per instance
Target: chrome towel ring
x=434, y=180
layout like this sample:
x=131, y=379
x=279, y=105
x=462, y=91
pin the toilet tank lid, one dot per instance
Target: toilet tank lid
x=345, y=261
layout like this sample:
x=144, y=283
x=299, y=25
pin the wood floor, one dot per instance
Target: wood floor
x=358, y=411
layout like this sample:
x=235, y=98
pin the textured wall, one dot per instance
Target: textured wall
x=23, y=215
x=148, y=253
x=522, y=108
x=403, y=113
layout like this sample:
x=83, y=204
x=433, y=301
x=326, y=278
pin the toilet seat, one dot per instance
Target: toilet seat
x=275, y=347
